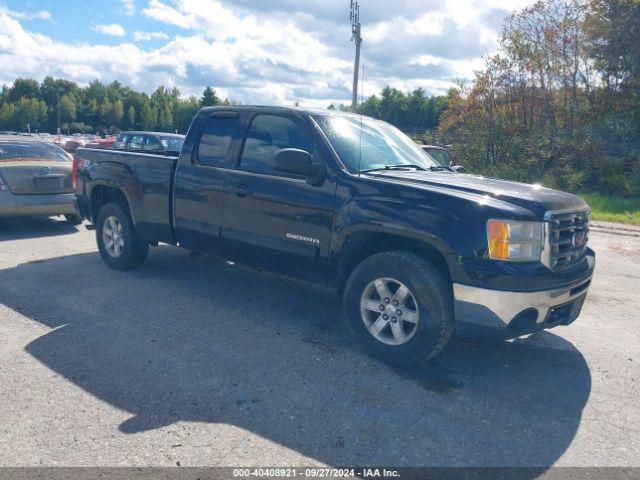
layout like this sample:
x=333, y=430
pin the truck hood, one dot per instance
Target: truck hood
x=535, y=198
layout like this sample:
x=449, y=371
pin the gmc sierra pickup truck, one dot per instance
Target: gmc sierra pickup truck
x=415, y=250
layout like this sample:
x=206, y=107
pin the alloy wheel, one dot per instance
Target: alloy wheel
x=113, y=236
x=389, y=311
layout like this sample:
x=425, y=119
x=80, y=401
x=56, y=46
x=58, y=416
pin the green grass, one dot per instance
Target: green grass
x=613, y=209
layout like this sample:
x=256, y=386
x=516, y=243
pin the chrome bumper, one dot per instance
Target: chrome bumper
x=518, y=312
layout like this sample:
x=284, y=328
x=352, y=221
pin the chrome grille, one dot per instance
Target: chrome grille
x=568, y=237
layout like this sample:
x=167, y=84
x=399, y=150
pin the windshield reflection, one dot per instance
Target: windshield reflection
x=363, y=143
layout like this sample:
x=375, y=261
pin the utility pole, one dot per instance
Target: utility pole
x=357, y=38
x=58, y=101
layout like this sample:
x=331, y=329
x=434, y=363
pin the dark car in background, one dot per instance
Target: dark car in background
x=149, y=141
x=35, y=179
x=440, y=154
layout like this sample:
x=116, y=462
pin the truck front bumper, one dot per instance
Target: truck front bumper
x=506, y=314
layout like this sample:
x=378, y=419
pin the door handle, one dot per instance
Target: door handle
x=242, y=190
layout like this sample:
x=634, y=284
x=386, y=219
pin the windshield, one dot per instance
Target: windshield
x=382, y=144
x=31, y=151
x=173, y=144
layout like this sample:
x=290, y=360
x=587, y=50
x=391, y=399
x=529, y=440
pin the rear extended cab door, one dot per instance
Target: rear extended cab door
x=199, y=185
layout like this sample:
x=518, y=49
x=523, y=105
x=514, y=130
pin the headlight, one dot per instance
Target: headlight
x=515, y=241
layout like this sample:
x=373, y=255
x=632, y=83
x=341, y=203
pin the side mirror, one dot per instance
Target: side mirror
x=458, y=168
x=296, y=162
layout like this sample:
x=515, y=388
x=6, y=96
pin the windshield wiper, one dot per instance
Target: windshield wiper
x=400, y=166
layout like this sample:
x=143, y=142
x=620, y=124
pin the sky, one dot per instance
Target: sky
x=273, y=52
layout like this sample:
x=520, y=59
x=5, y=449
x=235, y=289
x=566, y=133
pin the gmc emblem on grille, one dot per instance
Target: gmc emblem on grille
x=578, y=239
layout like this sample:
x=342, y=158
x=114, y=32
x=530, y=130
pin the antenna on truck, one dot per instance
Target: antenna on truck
x=357, y=38
x=361, y=101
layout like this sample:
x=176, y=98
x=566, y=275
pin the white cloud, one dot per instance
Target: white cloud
x=112, y=29
x=275, y=52
x=34, y=55
x=209, y=16
x=40, y=15
x=128, y=7
x=140, y=36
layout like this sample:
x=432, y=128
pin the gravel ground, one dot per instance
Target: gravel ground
x=195, y=362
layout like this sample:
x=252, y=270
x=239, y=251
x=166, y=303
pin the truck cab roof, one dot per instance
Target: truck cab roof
x=283, y=109
x=143, y=132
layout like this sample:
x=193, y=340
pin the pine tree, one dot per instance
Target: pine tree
x=209, y=98
x=131, y=116
x=149, y=117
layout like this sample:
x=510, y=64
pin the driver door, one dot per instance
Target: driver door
x=276, y=221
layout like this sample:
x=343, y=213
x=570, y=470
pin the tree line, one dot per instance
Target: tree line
x=414, y=112
x=560, y=102
x=114, y=107
x=97, y=107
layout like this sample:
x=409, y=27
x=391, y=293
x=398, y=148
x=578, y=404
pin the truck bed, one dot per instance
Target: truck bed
x=145, y=180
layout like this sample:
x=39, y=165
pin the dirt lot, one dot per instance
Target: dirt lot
x=193, y=361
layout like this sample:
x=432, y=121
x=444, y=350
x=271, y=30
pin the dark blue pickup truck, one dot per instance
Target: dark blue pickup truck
x=415, y=249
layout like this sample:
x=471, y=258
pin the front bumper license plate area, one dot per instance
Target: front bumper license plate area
x=565, y=314
x=511, y=314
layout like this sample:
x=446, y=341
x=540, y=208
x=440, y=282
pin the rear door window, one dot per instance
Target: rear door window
x=152, y=143
x=137, y=142
x=215, y=141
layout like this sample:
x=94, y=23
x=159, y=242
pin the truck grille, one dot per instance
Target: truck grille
x=568, y=237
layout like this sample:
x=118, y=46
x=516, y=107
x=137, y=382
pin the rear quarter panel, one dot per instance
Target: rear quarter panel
x=144, y=180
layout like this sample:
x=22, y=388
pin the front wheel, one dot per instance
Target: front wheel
x=120, y=246
x=399, y=307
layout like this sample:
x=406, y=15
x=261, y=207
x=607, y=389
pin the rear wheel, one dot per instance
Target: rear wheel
x=120, y=246
x=399, y=307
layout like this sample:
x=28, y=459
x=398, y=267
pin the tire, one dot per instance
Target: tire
x=399, y=341
x=73, y=219
x=126, y=250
